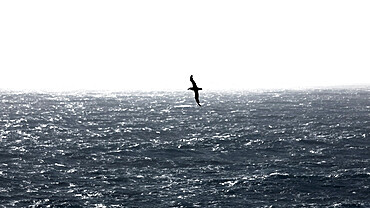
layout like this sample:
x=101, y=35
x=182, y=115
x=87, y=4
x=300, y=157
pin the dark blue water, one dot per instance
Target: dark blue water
x=159, y=149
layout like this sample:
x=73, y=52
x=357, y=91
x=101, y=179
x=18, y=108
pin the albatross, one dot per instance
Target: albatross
x=195, y=88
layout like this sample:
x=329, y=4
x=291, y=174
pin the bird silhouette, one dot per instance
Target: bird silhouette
x=196, y=89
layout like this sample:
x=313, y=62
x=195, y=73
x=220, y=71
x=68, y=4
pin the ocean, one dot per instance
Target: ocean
x=282, y=148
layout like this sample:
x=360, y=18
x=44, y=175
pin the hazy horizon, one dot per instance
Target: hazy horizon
x=190, y=93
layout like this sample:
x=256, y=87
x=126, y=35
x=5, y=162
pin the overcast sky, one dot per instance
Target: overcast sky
x=157, y=45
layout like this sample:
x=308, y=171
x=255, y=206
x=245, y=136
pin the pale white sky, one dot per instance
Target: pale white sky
x=156, y=45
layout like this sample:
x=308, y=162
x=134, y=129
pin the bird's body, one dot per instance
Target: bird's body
x=196, y=89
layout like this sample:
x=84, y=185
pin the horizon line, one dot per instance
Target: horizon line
x=51, y=90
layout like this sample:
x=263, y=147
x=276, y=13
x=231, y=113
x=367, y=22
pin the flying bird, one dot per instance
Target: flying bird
x=195, y=88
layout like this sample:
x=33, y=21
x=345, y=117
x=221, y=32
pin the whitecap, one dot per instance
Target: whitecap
x=182, y=106
x=229, y=183
x=278, y=174
x=59, y=165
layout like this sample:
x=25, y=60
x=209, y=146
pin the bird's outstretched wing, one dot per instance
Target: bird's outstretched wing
x=197, y=97
x=193, y=82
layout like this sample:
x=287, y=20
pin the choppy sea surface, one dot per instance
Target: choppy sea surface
x=307, y=148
